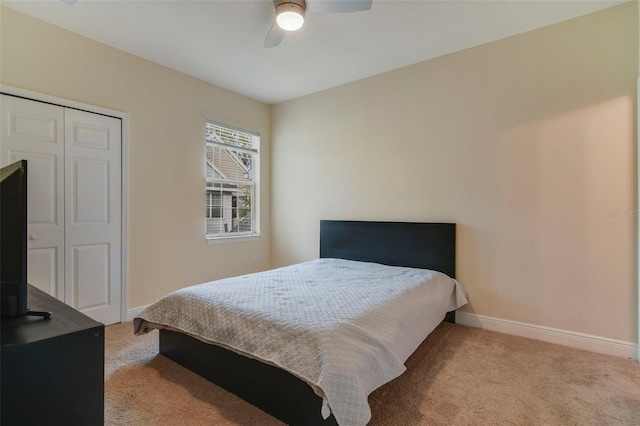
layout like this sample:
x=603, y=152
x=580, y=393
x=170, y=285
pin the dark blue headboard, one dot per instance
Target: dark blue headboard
x=411, y=244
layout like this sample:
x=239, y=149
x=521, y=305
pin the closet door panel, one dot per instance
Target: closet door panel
x=91, y=275
x=43, y=268
x=90, y=191
x=93, y=214
x=34, y=131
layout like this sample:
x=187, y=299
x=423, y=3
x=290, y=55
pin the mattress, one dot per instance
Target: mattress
x=344, y=327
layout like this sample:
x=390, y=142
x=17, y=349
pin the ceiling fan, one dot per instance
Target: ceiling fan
x=290, y=14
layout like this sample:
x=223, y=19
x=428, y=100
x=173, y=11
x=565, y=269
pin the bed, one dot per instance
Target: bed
x=290, y=386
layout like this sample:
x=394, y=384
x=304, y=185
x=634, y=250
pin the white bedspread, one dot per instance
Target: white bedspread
x=344, y=327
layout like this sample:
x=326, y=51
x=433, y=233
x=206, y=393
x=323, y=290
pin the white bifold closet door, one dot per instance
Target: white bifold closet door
x=74, y=201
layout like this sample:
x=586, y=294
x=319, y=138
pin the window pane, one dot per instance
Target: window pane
x=243, y=222
x=231, y=157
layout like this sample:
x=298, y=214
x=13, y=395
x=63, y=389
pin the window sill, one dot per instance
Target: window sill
x=236, y=239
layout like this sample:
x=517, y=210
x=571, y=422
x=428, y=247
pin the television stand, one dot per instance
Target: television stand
x=53, y=370
x=45, y=315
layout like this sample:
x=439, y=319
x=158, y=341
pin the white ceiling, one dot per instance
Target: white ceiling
x=221, y=41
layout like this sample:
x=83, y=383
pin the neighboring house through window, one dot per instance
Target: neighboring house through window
x=232, y=164
x=214, y=205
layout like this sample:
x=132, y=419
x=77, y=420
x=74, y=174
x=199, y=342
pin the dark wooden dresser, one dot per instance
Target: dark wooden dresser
x=51, y=370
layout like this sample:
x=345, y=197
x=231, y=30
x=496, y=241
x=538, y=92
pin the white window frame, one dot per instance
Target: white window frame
x=254, y=150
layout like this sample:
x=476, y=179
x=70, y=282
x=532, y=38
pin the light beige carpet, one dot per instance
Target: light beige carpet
x=458, y=376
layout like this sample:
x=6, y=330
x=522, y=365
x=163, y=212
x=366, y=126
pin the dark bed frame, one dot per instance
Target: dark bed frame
x=279, y=393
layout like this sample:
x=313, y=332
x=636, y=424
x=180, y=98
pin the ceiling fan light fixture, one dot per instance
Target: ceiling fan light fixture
x=289, y=16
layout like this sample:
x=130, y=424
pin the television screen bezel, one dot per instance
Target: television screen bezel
x=13, y=239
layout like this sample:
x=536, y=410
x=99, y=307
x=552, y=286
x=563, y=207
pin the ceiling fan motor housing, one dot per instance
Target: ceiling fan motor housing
x=300, y=3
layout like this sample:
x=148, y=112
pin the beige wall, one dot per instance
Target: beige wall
x=167, y=112
x=527, y=143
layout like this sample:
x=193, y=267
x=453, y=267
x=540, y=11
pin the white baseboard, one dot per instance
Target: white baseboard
x=572, y=339
x=132, y=313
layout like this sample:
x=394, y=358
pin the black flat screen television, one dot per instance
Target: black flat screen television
x=13, y=239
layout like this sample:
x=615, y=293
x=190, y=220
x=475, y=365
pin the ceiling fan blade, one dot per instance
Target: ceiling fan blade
x=274, y=36
x=338, y=6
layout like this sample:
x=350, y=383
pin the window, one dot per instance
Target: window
x=232, y=170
